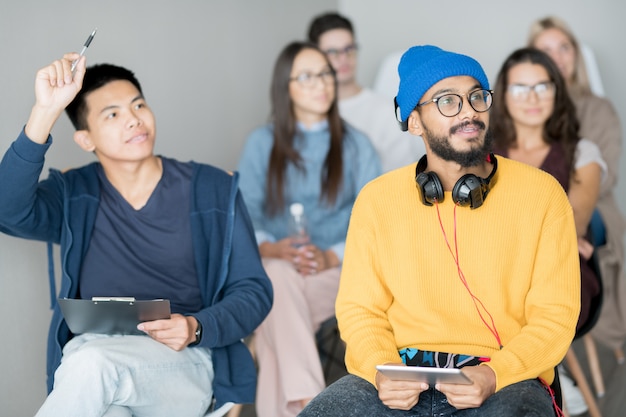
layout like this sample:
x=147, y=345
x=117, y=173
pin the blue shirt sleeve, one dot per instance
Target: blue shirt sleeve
x=252, y=168
x=366, y=167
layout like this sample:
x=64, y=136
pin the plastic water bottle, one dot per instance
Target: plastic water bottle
x=298, y=225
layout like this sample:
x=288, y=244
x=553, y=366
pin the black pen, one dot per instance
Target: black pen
x=85, y=46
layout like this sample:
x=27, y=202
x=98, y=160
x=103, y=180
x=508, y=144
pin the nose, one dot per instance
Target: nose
x=318, y=81
x=467, y=111
x=133, y=120
x=342, y=56
x=533, y=95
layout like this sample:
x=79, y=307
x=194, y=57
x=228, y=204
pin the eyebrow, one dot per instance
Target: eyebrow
x=115, y=106
x=455, y=91
x=340, y=48
x=309, y=71
x=532, y=85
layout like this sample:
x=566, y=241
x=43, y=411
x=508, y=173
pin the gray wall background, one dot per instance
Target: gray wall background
x=205, y=68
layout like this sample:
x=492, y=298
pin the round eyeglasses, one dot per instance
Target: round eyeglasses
x=449, y=105
x=349, y=51
x=521, y=92
x=308, y=80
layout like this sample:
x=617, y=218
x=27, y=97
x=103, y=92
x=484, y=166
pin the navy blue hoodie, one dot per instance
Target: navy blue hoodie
x=236, y=292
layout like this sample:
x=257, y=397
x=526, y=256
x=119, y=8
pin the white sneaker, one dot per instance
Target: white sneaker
x=573, y=400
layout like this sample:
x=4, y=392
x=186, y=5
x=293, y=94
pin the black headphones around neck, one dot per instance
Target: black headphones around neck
x=470, y=190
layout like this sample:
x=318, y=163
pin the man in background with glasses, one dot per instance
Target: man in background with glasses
x=459, y=261
x=363, y=108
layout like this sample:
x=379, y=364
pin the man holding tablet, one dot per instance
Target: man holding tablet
x=460, y=261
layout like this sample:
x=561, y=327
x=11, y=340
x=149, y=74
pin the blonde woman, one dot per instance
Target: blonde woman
x=599, y=123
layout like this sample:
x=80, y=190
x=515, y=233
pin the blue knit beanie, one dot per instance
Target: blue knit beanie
x=421, y=67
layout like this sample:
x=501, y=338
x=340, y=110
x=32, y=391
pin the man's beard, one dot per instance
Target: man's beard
x=440, y=145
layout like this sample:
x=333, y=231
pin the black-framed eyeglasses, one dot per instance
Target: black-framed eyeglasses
x=450, y=105
x=521, y=92
x=308, y=80
x=348, y=51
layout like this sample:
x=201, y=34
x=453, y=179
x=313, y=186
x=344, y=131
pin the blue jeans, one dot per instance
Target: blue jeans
x=129, y=375
x=352, y=396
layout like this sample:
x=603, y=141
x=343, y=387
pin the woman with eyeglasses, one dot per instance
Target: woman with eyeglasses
x=533, y=120
x=600, y=123
x=308, y=156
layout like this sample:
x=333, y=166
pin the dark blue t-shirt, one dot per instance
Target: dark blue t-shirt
x=145, y=253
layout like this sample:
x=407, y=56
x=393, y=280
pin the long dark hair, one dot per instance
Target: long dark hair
x=284, y=120
x=562, y=125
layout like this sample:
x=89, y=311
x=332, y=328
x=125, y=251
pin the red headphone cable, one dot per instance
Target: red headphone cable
x=478, y=304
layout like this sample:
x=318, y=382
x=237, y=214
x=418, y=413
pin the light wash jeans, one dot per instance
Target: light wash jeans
x=103, y=375
x=352, y=396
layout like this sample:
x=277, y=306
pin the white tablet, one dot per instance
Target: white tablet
x=424, y=374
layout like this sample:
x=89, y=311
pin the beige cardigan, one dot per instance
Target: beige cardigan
x=599, y=122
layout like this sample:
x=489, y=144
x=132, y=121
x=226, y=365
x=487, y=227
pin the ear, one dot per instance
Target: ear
x=82, y=138
x=415, y=123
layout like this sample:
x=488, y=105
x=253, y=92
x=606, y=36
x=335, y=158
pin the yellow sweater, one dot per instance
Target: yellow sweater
x=518, y=252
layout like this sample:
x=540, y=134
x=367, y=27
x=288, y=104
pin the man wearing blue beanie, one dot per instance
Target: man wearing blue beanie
x=423, y=66
x=461, y=261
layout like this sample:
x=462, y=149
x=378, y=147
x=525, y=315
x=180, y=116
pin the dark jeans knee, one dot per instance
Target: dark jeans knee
x=524, y=399
x=349, y=396
x=352, y=396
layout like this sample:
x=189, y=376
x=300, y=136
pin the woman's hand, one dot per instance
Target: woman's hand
x=585, y=248
x=312, y=260
x=307, y=259
x=283, y=249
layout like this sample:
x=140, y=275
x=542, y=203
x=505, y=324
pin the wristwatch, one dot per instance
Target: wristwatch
x=198, y=333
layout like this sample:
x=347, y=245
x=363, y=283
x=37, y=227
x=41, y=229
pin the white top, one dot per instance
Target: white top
x=593, y=72
x=387, y=78
x=373, y=114
x=587, y=152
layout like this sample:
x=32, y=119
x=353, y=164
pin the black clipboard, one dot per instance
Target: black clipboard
x=111, y=315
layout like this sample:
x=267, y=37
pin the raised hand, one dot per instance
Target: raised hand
x=55, y=88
